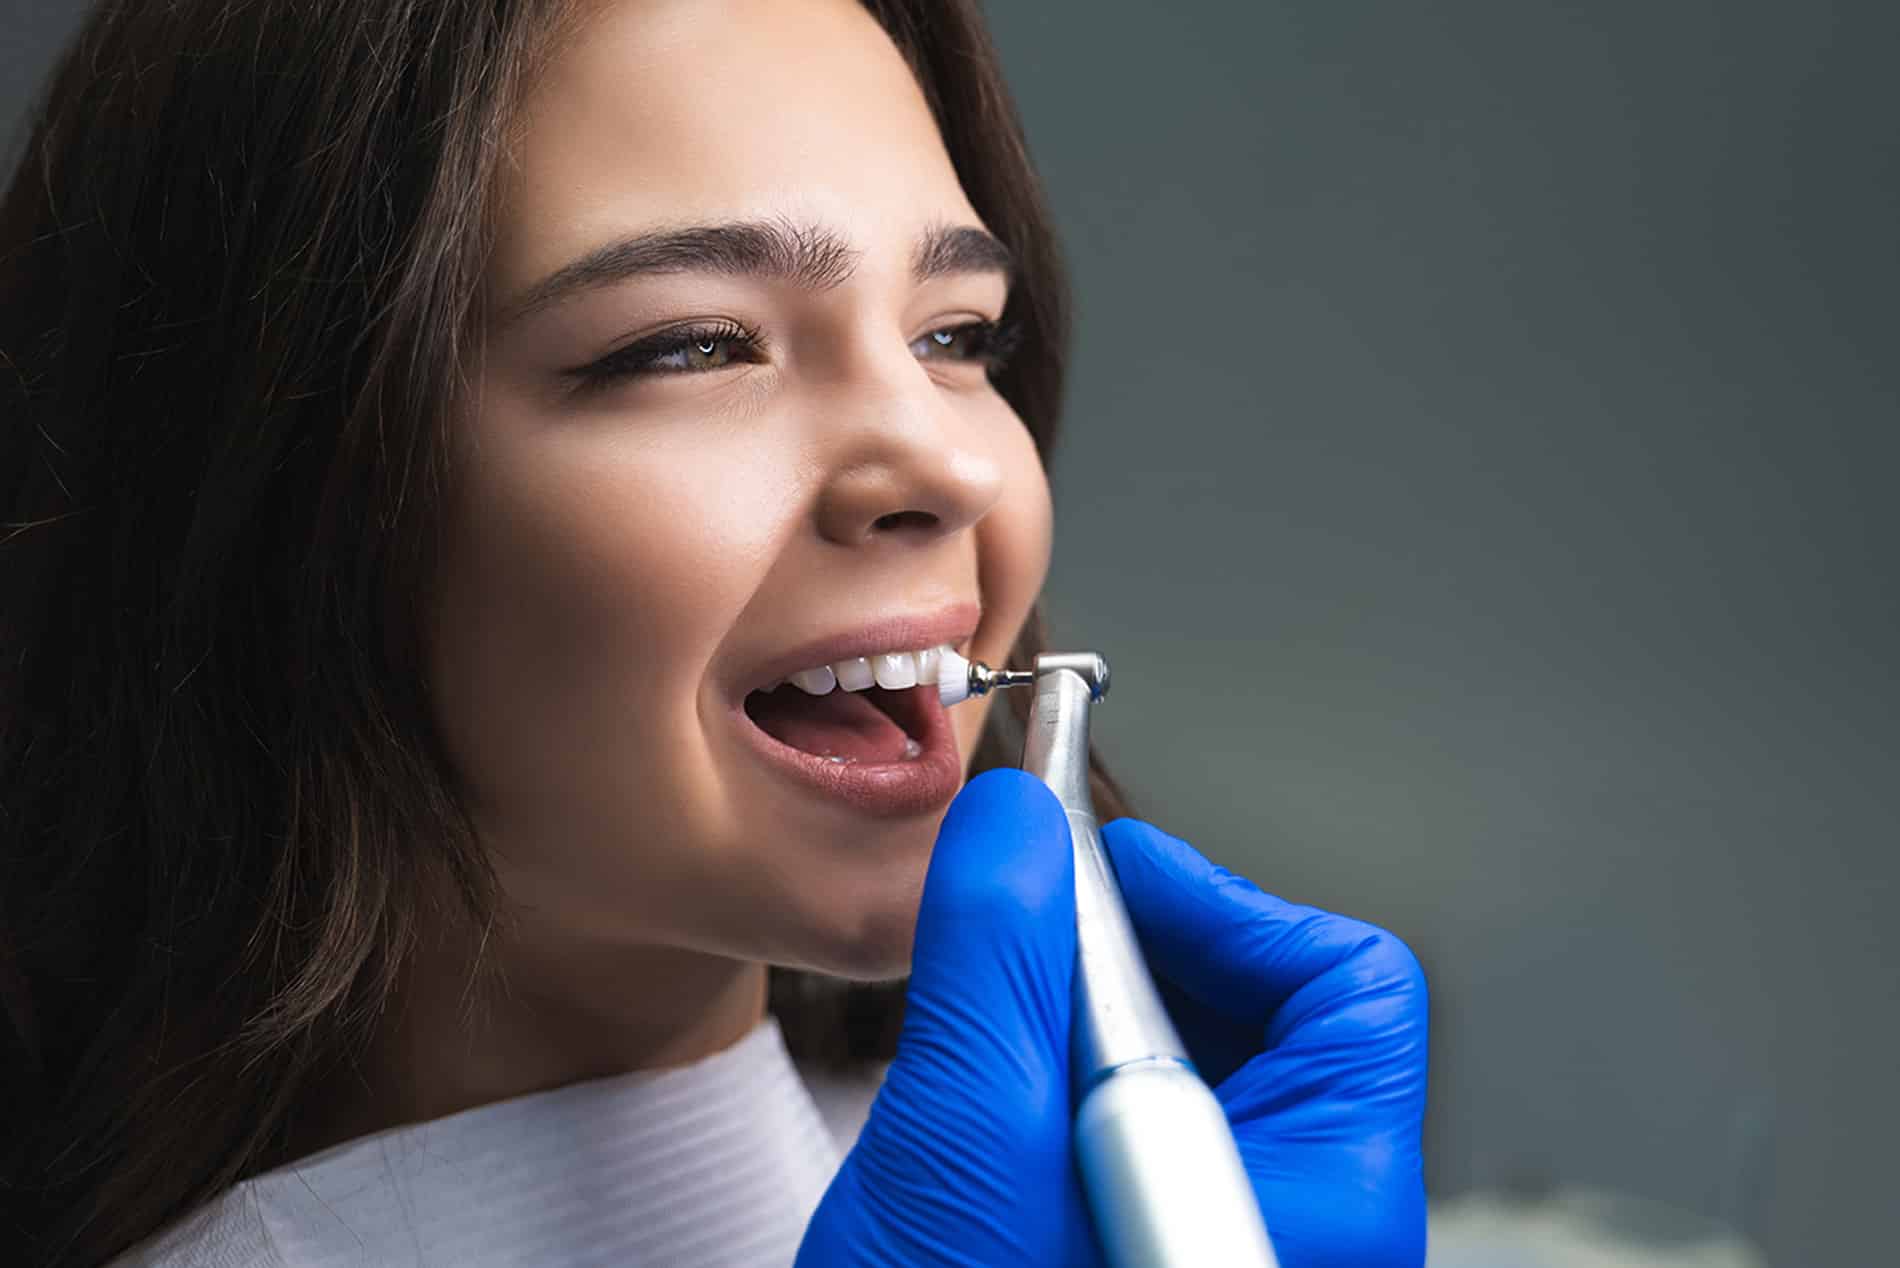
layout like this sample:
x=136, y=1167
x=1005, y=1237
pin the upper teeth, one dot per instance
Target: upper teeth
x=893, y=671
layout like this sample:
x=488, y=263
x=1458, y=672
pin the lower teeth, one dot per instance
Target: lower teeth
x=912, y=749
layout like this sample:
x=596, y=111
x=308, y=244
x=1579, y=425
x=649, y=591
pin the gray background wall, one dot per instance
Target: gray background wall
x=1480, y=472
x=1481, y=475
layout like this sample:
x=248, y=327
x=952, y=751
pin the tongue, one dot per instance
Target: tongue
x=840, y=723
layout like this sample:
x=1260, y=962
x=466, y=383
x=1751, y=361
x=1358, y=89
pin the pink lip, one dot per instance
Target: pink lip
x=925, y=783
x=908, y=633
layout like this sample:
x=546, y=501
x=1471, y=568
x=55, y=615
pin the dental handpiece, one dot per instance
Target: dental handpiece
x=1163, y=1175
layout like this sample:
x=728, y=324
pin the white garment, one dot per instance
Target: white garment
x=718, y=1163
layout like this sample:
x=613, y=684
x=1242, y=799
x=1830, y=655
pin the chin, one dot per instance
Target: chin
x=861, y=923
x=880, y=954
x=874, y=946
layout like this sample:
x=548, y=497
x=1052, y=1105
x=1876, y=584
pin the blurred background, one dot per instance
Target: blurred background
x=1480, y=470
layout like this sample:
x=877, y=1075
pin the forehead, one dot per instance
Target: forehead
x=661, y=112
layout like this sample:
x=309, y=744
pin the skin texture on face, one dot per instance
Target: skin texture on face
x=618, y=559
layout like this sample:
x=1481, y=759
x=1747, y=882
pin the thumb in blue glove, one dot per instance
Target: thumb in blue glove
x=965, y=1158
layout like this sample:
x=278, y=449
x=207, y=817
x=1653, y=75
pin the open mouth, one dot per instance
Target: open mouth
x=867, y=729
x=875, y=725
x=887, y=752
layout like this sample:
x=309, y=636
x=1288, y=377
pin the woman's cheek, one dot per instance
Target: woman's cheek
x=1014, y=543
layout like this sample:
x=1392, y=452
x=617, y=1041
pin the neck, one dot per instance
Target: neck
x=564, y=1012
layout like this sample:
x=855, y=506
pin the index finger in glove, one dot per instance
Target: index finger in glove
x=1242, y=952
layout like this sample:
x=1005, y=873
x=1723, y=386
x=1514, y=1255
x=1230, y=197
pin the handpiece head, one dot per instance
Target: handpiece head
x=959, y=679
x=1092, y=666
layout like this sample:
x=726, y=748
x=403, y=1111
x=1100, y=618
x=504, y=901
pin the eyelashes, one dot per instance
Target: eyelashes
x=703, y=348
x=990, y=342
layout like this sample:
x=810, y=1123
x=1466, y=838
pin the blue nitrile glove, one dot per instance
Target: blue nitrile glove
x=1311, y=1027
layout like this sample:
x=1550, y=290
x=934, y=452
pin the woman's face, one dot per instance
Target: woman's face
x=817, y=470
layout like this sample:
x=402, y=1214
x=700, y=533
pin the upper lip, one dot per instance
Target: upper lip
x=898, y=632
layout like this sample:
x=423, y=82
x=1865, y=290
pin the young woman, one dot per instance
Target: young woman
x=434, y=433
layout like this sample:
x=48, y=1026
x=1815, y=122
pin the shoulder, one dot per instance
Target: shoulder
x=229, y=1232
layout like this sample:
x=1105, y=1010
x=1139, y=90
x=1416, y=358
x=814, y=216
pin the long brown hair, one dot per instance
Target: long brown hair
x=242, y=271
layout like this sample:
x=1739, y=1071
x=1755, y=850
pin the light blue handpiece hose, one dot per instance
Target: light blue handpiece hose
x=1042, y=1108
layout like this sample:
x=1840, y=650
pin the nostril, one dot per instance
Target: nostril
x=898, y=519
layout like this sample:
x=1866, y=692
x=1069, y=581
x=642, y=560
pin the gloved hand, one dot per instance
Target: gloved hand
x=1310, y=1026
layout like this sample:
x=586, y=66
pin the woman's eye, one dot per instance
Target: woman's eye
x=986, y=341
x=700, y=354
x=703, y=349
x=695, y=350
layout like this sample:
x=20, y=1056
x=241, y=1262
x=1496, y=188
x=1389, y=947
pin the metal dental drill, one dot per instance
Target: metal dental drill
x=1164, y=1178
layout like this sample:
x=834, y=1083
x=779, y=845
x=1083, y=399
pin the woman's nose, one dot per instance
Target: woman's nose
x=903, y=459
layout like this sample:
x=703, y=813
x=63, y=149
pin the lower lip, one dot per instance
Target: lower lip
x=884, y=790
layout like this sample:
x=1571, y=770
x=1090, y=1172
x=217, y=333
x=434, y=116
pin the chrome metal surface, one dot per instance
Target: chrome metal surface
x=984, y=680
x=1118, y=1015
x=1163, y=1176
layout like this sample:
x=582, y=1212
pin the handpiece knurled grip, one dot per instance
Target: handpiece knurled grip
x=1159, y=1164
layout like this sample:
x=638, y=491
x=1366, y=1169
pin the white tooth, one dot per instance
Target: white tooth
x=815, y=681
x=912, y=748
x=895, y=670
x=854, y=674
x=927, y=661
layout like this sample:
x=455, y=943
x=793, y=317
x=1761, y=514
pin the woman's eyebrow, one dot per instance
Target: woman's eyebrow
x=807, y=255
